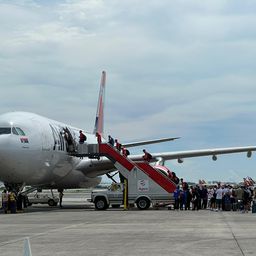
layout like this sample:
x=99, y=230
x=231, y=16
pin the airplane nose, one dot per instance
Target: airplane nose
x=4, y=145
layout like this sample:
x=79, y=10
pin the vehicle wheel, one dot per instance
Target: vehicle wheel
x=51, y=202
x=115, y=205
x=101, y=203
x=143, y=203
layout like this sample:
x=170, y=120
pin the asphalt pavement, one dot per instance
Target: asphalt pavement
x=78, y=229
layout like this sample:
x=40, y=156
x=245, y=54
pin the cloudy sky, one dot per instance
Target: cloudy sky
x=174, y=68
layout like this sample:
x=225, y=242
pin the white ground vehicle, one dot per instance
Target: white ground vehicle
x=43, y=198
x=114, y=196
x=103, y=198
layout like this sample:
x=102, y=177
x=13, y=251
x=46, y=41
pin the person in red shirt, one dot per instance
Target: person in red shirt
x=147, y=156
x=118, y=145
x=125, y=152
x=82, y=137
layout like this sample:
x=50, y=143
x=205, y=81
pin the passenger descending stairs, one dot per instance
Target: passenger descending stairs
x=125, y=165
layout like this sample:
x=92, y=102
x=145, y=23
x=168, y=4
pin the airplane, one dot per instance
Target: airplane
x=35, y=151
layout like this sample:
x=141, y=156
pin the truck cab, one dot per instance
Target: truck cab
x=103, y=198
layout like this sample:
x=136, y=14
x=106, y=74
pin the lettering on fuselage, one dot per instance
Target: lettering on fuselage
x=24, y=140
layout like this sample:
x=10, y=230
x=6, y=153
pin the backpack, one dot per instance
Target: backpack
x=247, y=193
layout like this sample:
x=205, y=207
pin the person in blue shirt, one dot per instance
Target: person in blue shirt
x=176, y=195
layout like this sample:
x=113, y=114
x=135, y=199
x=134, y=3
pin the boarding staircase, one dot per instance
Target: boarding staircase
x=126, y=166
x=28, y=191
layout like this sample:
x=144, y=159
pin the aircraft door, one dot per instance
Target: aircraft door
x=71, y=144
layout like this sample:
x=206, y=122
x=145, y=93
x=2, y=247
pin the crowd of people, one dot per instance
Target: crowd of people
x=220, y=197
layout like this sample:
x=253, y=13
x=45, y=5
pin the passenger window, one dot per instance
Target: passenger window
x=5, y=130
x=14, y=131
x=20, y=131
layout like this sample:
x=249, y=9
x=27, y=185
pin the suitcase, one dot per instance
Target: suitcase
x=234, y=207
x=228, y=206
x=254, y=208
x=240, y=206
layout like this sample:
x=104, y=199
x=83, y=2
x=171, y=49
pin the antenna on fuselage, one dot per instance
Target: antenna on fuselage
x=99, y=121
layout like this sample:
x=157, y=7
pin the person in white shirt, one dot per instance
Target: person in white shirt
x=219, y=195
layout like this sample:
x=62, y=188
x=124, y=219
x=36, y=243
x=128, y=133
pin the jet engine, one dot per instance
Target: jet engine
x=214, y=157
x=180, y=161
x=249, y=154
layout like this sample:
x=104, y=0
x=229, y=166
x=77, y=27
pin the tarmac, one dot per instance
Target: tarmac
x=78, y=229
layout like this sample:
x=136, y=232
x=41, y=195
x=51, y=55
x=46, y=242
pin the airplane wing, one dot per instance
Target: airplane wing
x=99, y=167
x=180, y=155
x=146, y=142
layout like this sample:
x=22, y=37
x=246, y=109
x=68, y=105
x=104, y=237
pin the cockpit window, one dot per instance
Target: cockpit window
x=20, y=131
x=14, y=131
x=5, y=130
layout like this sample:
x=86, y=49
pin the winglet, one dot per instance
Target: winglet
x=99, y=121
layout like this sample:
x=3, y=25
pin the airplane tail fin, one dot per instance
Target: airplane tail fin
x=99, y=121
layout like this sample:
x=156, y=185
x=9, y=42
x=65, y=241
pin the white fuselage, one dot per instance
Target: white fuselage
x=34, y=151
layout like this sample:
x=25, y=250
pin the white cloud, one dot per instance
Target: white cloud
x=173, y=67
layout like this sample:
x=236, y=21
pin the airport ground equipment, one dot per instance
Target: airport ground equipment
x=146, y=185
x=28, y=191
x=43, y=198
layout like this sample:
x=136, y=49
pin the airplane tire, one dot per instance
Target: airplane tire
x=101, y=203
x=143, y=203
